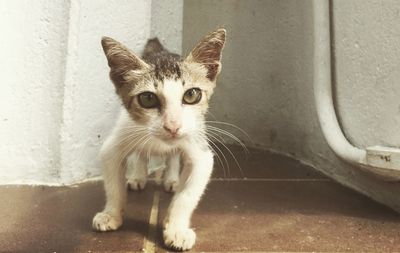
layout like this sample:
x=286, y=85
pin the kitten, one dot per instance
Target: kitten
x=165, y=100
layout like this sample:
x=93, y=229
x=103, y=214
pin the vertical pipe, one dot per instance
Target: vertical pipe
x=323, y=88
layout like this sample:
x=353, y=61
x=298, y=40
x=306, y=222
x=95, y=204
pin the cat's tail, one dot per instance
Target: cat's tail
x=154, y=49
x=153, y=46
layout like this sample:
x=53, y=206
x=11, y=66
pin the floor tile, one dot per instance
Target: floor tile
x=284, y=217
x=276, y=204
x=58, y=219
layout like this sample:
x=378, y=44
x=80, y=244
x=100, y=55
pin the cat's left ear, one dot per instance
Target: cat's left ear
x=209, y=52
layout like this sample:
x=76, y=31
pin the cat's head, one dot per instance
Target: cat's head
x=167, y=95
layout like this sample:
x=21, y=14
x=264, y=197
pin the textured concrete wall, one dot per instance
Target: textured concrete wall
x=57, y=103
x=166, y=23
x=266, y=86
x=90, y=105
x=33, y=50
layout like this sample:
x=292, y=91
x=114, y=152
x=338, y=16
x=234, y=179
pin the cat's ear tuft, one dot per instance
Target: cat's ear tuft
x=120, y=57
x=209, y=52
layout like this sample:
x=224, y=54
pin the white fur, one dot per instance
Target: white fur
x=138, y=179
x=171, y=174
x=190, y=147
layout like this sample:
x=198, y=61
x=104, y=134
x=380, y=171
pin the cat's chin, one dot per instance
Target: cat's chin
x=173, y=140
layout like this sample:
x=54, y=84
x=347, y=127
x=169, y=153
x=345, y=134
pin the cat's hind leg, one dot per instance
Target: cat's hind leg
x=171, y=174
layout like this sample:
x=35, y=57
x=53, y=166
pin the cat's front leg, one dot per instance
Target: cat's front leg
x=197, y=168
x=114, y=169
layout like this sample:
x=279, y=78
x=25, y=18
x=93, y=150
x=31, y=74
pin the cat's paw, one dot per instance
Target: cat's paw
x=106, y=222
x=170, y=186
x=137, y=184
x=179, y=239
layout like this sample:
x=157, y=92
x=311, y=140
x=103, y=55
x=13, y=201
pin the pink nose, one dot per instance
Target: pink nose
x=173, y=129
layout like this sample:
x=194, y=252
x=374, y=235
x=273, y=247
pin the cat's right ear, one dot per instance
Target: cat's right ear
x=121, y=60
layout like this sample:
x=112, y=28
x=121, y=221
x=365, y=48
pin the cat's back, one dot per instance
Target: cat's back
x=155, y=50
x=166, y=64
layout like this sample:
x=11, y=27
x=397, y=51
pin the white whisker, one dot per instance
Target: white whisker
x=231, y=125
x=232, y=154
x=217, y=154
x=232, y=136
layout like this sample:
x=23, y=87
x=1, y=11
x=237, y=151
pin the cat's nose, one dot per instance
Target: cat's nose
x=173, y=128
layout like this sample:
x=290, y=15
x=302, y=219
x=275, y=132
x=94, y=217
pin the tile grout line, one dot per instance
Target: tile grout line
x=149, y=244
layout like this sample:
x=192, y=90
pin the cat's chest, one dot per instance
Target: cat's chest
x=158, y=148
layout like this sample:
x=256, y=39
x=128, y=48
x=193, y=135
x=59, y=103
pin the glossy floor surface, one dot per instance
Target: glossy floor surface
x=274, y=205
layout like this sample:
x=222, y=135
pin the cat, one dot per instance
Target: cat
x=165, y=99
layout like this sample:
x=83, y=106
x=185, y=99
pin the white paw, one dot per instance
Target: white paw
x=137, y=184
x=179, y=239
x=106, y=222
x=170, y=186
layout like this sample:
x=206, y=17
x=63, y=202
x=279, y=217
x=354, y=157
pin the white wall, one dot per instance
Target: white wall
x=90, y=104
x=266, y=86
x=33, y=49
x=166, y=23
x=57, y=104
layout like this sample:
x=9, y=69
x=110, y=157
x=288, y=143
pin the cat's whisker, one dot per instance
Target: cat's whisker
x=128, y=133
x=226, y=170
x=221, y=152
x=127, y=138
x=218, y=154
x=129, y=148
x=230, y=152
x=211, y=144
x=140, y=148
x=231, y=125
x=122, y=145
x=230, y=135
x=125, y=145
x=233, y=137
x=149, y=151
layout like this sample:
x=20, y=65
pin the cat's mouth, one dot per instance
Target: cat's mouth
x=172, y=138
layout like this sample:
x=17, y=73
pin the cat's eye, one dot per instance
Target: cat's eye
x=192, y=96
x=148, y=100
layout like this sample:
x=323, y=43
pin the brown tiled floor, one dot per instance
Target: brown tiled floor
x=276, y=204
